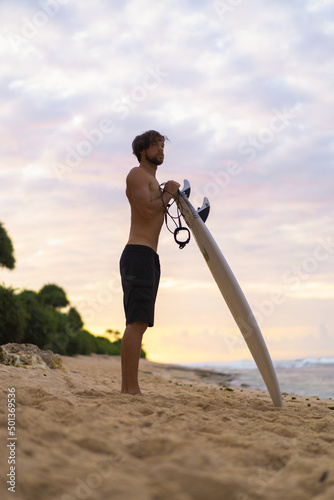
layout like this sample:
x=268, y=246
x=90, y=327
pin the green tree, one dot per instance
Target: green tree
x=75, y=319
x=41, y=323
x=34, y=318
x=63, y=338
x=7, y=258
x=12, y=316
x=114, y=334
x=52, y=295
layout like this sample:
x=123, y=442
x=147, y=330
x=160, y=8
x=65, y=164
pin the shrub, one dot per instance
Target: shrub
x=12, y=316
x=87, y=343
x=75, y=319
x=41, y=324
x=63, y=338
x=35, y=318
x=104, y=346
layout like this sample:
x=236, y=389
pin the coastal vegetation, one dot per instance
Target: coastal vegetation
x=46, y=318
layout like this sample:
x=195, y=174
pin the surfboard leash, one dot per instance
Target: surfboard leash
x=175, y=218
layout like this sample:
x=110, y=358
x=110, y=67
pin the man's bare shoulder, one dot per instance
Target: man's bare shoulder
x=137, y=175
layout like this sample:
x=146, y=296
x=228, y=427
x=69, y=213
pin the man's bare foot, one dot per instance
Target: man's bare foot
x=132, y=393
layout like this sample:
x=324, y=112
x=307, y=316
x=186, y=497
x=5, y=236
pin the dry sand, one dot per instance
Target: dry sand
x=188, y=438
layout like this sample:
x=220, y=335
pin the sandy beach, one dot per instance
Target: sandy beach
x=189, y=438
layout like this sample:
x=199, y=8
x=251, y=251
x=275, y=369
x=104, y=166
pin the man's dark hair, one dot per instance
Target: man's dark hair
x=143, y=141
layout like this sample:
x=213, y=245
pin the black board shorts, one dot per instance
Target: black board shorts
x=140, y=273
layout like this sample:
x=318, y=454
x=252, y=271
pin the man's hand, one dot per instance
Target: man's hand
x=172, y=187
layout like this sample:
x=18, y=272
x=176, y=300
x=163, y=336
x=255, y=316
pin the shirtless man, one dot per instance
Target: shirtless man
x=139, y=264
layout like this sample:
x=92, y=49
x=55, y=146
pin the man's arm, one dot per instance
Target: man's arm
x=139, y=188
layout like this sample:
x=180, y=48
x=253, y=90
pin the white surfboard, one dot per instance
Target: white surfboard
x=230, y=289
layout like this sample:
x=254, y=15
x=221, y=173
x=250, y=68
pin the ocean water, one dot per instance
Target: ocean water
x=304, y=377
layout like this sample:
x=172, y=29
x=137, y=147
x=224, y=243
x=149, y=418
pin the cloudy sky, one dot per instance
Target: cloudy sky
x=244, y=90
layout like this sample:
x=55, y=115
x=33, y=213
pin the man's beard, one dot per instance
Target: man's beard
x=156, y=160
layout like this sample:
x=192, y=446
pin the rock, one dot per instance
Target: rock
x=29, y=356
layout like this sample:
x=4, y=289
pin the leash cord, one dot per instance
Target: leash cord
x=176, y=219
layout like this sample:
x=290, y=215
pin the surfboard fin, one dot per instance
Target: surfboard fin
x=204, y=210
x=186, y=188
